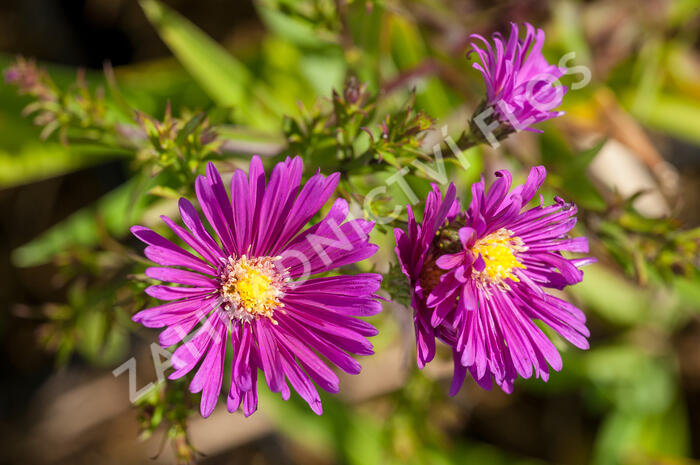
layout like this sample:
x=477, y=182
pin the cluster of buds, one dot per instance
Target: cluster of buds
x=329, y=135
x=355, y=103
x=402, y=134
x=640, y=244
x=30, y=80
x=178, y=144
x=58, y=110
x=347, y=138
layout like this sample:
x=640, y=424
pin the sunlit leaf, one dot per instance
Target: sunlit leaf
x=222, y=76
x=611, y=296
x=676, y=115
x=37, y=161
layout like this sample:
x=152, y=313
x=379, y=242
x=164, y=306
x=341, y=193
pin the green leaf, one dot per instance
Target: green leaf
x=97, y=342
x=342, y=430
x=631, y=437
x=324, y=71
x=667, y=433
x=478, y=453
x=190, y=127
x=409, y=50
x=569, y=31
x=295, y=30
x=116, y=211
x=630, y=379
x=149, y=86
x=566, y=168
x=37, y=161
x=611, y=296
x=616, y=437
x=675, y=114
x=224, y=78
x=683, y=11
x=688, y=290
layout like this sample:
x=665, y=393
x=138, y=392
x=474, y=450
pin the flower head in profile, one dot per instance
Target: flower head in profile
x=519, y=81
x=479, y=280
x=249, y=286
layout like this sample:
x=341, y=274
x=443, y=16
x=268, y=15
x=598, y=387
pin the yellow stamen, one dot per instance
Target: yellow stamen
x=498, y=250
x=252, y=287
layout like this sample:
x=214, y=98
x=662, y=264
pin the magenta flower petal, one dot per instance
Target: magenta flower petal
x=199, y=240
x=188, y=278
x=170, y=313
x=449, y=261
x=251, y=285
x=163, y=250
x=161, y=292
x=240, y=200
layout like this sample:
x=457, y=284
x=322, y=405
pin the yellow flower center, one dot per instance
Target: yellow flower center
x=252, y=287
x=498, y=250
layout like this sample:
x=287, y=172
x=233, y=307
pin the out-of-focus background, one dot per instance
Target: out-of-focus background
x=627, y=151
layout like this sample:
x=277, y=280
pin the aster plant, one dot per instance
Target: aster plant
x=479, y=276
x=250, y=285
x=260, y=285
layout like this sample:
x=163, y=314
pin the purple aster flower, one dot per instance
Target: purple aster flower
x=415, y=250
x=519, y=85
x=478, y=280
x=253, y=290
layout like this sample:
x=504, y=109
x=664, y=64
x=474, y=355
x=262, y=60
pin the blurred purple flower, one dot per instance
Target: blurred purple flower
x=30, y=79
x=253, y=286
x=519, y=85
x=478, y=277
x=12, y=75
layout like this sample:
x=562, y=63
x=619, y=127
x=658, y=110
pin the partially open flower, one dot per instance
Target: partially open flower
x=520, y=86
x=250, y=282
x=479, y=277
